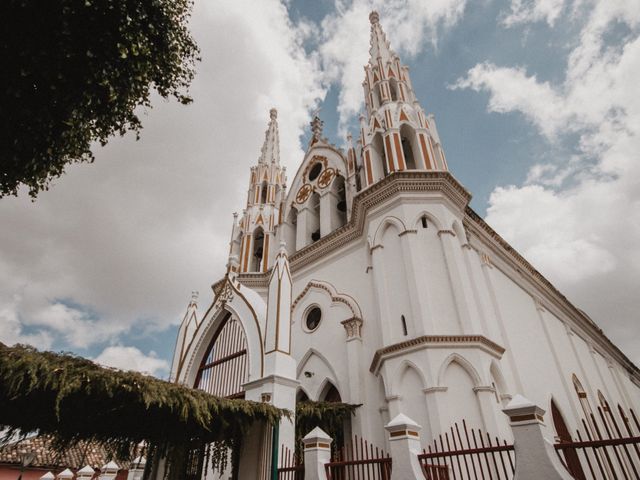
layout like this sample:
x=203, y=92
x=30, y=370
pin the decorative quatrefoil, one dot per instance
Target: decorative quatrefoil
x=326, y=177
x=303, y=193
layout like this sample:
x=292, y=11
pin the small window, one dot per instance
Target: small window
x=313, y=318
x=404, y=325
x=315, y=171
x=424, y=222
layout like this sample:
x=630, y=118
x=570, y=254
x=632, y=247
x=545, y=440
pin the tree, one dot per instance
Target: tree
x=71, y=399
x=74, y=73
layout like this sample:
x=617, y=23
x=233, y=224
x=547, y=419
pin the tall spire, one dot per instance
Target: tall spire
x=252, y=235
x=396, y=134
x=270, y=152
x=380, y=48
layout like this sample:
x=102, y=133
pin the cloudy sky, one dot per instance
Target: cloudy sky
x=537, y=105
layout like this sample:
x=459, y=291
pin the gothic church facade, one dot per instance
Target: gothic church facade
x=370, y=280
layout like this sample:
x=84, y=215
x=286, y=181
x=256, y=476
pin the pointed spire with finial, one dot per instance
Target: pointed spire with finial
x=270, y=152
x=380, y=47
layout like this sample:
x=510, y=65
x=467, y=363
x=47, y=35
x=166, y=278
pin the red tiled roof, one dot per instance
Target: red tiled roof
x=84, y=453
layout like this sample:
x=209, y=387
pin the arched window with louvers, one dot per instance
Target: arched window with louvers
x=224, y=368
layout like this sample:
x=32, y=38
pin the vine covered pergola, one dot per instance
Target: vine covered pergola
x=73, y=399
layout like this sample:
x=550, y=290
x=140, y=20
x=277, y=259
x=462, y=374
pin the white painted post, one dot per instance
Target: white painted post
x=535, y=456
x=317, y=452
x=404, y=443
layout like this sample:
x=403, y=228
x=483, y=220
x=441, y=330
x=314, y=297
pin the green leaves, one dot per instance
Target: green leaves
x=76, y=71
x=72, y=399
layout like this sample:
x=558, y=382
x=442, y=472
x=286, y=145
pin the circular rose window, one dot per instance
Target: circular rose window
x=314, y=315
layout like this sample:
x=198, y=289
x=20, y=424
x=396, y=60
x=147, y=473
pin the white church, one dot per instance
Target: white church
x=369, y=280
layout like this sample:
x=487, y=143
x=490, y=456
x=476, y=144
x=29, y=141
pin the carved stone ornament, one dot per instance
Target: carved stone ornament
x=226, y=294
x=353, y=326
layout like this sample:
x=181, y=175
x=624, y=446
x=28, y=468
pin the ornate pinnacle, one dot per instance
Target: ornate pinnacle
x=374, y=17
x=316, y=128
x=194, y=298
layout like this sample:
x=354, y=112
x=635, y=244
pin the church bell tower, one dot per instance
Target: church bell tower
x=253, y=235
x=396, y=134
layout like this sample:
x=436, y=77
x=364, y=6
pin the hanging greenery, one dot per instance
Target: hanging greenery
x=73, y=399
x=329, y=416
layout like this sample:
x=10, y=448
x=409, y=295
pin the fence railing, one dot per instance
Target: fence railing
x=359, y=460
x=288, y=467
x=467, y=454
x=603, y=450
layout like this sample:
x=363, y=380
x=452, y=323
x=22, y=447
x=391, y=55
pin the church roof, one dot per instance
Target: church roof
x=74, y=457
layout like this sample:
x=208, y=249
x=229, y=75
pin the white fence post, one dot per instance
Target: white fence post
x=535, y=456
x=404, y=443
x=317, y=452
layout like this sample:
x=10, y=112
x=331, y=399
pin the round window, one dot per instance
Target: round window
x=313, y=318
x=315, y=171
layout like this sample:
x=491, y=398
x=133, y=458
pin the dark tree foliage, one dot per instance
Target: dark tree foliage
x=74, y=400
x=74, y=72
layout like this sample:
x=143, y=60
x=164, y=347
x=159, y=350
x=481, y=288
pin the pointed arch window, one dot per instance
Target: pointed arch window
x=258, y=250
x=380, y=158
x=224, y=367
x=314, y=219
x=562, y=432
x=407, y=139
x=341, y=205
x=264, y=188
x=393, y=88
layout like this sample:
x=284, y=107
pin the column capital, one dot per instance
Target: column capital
x=353, y=327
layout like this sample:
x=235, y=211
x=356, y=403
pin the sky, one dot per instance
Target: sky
x=536, y=103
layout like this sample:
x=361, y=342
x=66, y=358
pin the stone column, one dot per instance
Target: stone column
x=317, y=452
x=404, y=443
x=329, y=219
x=535, y=456
x=437, y=410
x=353, y=329
x=303, y=237
x=381, y=294
x=463, y=297
x=421, y=318
x=278, y=384
x=486, y=400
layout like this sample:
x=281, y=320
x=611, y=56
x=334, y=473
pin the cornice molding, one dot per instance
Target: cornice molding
x=434, y=341
x=500, y=248
x=390, y=186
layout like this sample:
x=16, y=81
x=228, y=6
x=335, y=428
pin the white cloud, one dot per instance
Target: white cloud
x=578, y=219
x=529, y=11
x=12, y=330
x=512, y=89
x=344, y=49
x=121, y=243
x=130, y=358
